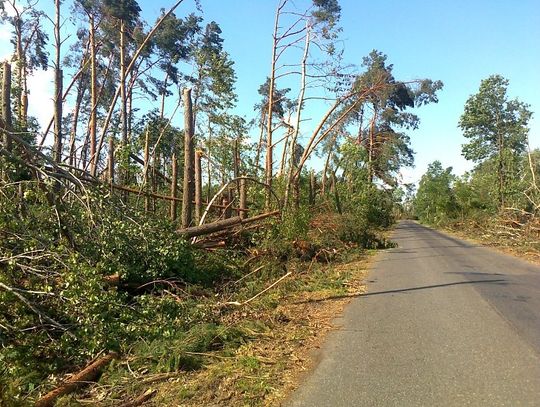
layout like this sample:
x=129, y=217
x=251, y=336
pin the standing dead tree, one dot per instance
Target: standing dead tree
x=293, y=27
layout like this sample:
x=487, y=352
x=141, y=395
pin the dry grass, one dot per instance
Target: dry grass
x=502, y=235
x=265, y=370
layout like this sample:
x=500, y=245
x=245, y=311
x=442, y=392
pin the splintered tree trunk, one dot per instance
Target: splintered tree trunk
x=198, y=187
x=226, y=202
x=189, y=159
x=209, y=163
x=174, y=182
x=324, y=180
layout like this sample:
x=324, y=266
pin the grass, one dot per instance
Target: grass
x=244, y=356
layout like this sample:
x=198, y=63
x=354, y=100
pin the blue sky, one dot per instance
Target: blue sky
x=459, y=42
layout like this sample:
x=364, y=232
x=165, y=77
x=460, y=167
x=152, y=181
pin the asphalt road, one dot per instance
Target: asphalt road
x=443, y=323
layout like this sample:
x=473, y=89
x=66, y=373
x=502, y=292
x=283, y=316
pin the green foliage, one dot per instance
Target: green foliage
x=435, y=200
x=59, y=255
x=505, y=173
x=497, y=130
x=387, y=146
x=282, y=234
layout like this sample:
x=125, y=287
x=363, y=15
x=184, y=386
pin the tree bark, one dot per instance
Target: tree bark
x=243, y=199
x=6, y=105
x=93, y=96
x=324, y=180
x=312, y=187
x=198, y=186
x=75, y=122
x=21, y=73
x=189, y=159
x=222, y=224
x=110, y=174
x=58, y=88
x=131, y=65
x=291, y=178
x=259, y=144
x=270, y=108
x=88, y=374
x=174, y=182
x=123, y=100
x=6, y=121
x=146, y=168
x=371, y=146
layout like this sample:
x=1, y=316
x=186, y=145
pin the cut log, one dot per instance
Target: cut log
x=88, y=374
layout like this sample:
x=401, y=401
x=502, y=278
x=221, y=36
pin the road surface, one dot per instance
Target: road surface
x=443, y=323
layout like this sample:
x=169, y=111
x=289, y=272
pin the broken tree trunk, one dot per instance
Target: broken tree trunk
x=189, y=158
x=223, y=224
x=88, y=374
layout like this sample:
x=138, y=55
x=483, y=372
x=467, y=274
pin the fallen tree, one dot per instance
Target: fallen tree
x=208, y=228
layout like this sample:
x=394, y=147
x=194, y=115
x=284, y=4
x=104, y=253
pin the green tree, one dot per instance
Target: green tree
x=497, y=129
x=381, y=117
x=435, y=201
x=29, y=41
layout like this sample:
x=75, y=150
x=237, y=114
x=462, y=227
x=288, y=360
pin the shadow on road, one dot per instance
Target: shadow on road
x=404, y=290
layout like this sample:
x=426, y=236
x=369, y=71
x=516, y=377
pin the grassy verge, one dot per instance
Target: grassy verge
x=245, y=355
x=499, y=236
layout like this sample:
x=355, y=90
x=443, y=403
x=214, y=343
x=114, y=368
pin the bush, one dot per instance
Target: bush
x=57, y=255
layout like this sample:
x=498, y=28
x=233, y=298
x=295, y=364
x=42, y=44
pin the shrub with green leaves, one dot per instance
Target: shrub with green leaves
x=58, y=307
